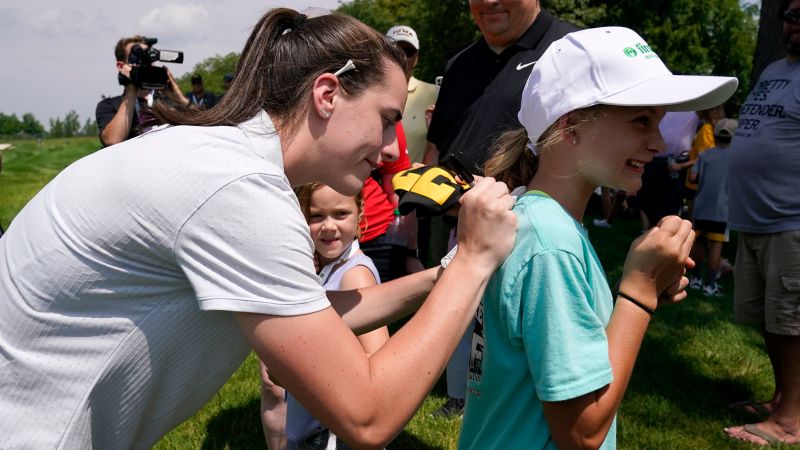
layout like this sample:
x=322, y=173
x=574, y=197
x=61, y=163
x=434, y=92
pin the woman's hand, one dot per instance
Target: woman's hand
x=486, y=226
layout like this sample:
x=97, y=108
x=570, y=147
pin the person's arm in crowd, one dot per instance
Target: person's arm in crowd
x=694, y=174
x=677, y=167
x=654, y=269
x=119, y=127
x=431, y=157
x=367, y=401
x=173, y=91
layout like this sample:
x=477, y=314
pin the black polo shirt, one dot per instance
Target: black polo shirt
x=481, y=90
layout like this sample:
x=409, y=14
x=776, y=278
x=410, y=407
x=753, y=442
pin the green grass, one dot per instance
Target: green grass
x=693, y=362
x=28, y=166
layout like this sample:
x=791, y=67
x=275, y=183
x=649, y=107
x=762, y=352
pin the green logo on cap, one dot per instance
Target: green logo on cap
x=629, y=52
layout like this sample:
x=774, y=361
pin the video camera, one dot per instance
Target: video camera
x=143, y=73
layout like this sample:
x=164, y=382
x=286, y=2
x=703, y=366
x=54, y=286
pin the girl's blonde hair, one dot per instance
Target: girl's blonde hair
x=513, y=163
x=306, y=191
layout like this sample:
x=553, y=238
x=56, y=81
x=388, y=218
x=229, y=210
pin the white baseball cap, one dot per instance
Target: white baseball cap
x=403, y=33
x=610, y=66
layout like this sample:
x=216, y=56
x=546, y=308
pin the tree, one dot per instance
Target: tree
x=31, y=126
x=72, y=124
x=583, y=13
x=90, y=128
x=770, y=31
x=442, y=27
x=9, y=125
x=56, y=128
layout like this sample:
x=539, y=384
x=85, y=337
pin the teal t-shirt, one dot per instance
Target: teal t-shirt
x=539, y=333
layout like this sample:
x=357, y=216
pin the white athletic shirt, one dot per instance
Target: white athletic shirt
x=118, y=279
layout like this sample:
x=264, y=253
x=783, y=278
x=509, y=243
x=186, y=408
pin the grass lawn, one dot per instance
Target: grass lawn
x=693, y=362
x=28, y=166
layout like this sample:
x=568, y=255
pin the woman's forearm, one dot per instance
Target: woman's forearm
x=372, y=307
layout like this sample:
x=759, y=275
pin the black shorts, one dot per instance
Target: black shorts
x=711, y=230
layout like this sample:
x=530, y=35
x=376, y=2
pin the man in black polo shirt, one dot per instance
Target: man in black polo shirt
x=478, y=100
x=482, y=84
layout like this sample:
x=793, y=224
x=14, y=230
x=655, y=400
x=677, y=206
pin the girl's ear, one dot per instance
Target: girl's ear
x=325, y=90
x=566, y=125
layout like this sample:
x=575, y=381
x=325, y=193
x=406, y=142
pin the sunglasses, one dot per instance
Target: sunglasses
x=791, y=16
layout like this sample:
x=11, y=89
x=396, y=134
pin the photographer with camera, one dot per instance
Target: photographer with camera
x=123, y=117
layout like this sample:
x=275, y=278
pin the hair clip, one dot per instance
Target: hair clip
x=296, y=22
x=532, y=147
x=348, y=66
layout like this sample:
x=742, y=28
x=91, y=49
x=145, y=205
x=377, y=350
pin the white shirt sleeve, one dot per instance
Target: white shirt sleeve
x=248, y=249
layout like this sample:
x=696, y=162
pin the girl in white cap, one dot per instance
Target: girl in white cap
x=554, y=347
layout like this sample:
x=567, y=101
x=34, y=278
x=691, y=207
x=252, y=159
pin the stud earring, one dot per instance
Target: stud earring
x=574, y=141
x=325, y=113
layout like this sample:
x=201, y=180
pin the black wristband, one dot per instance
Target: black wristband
x=646, y=308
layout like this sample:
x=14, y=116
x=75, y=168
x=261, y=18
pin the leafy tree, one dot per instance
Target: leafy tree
x=770, y=30
x=9, y=125
x=31, y=126
x=212, y=70
x=583, y=13
x=56, y=127
x=72, y=124
x=443, y=27
x=90, y=128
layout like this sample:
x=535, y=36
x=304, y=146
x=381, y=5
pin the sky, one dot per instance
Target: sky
x=59, y=55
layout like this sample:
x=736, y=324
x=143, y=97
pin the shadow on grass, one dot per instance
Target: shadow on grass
x=240, y=428
x=670, y=391
x=662, y=371
x=407, y=440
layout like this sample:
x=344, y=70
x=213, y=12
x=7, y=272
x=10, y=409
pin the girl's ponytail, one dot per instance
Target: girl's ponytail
x=512, y=162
